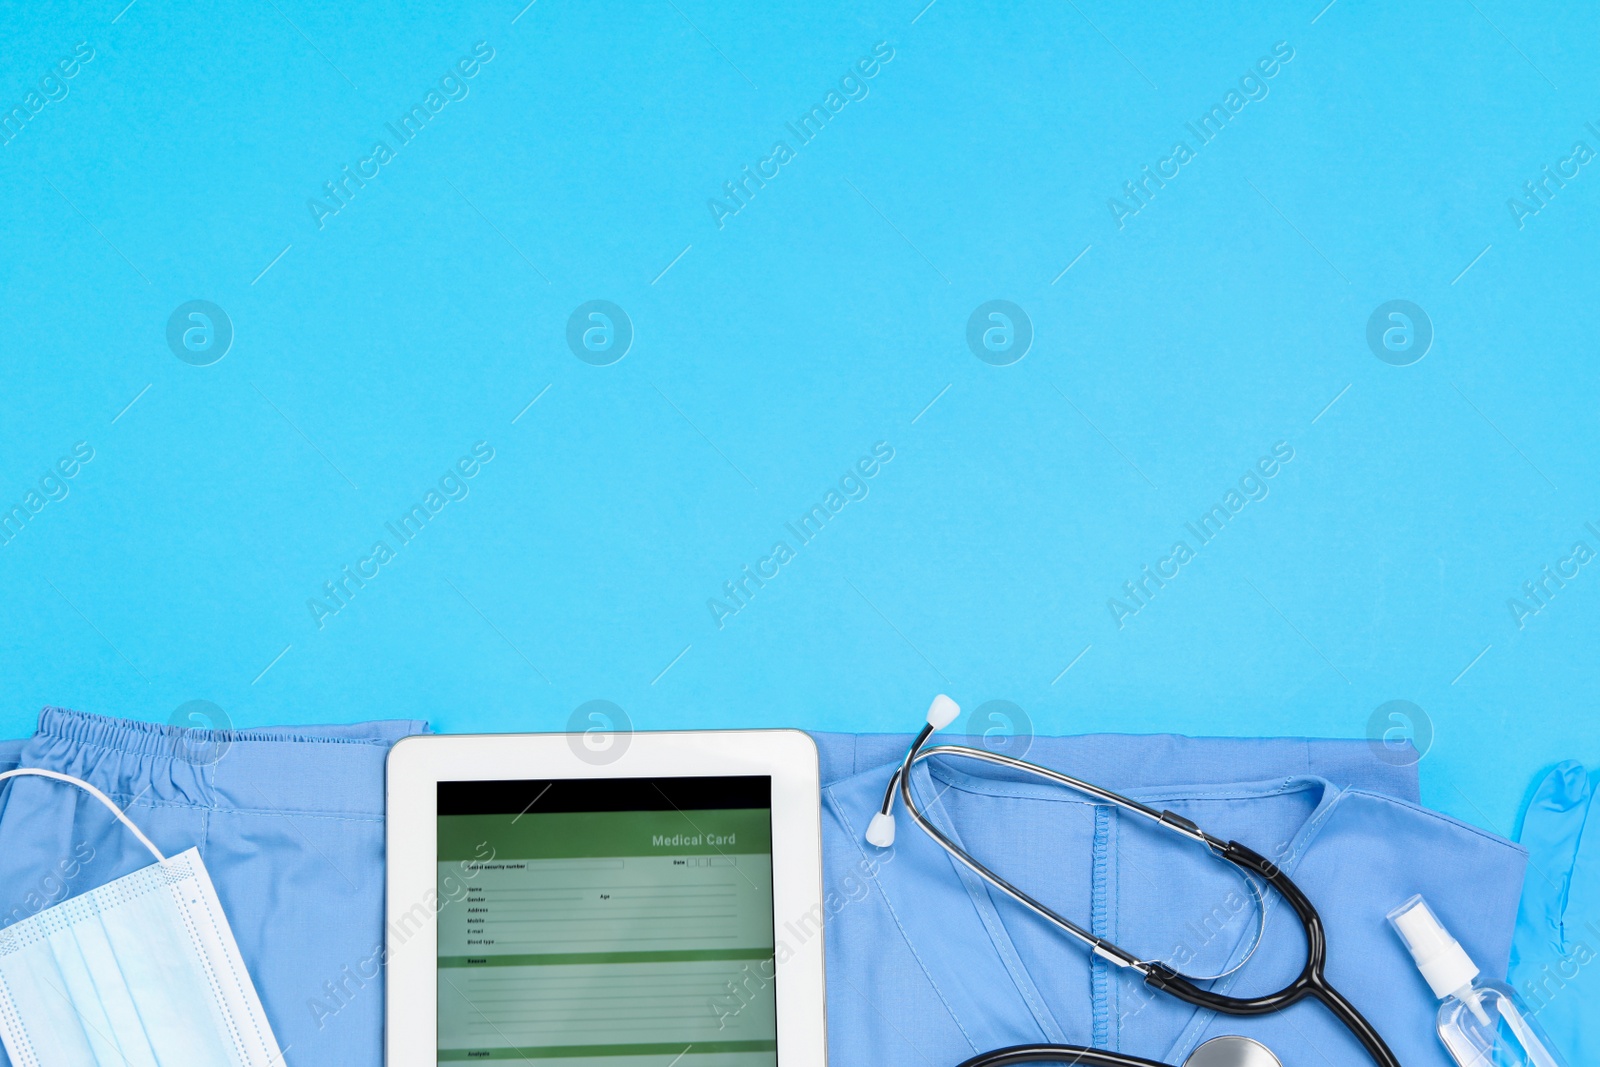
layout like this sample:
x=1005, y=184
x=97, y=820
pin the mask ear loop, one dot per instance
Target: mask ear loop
x=122, y=817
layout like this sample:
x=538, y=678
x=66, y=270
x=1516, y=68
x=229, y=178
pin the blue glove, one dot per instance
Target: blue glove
x=1555, y=956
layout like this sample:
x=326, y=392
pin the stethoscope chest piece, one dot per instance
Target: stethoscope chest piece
x=1232, y=1052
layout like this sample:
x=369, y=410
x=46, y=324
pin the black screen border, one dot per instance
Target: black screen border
x=515, y=796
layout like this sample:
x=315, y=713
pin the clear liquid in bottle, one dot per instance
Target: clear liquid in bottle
x=1489, y=1026
x=1483, y=1023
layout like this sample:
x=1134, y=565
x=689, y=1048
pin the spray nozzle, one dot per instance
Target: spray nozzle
x=1440, y=957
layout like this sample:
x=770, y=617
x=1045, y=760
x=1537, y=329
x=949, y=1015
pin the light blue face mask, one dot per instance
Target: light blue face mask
x=142, y=972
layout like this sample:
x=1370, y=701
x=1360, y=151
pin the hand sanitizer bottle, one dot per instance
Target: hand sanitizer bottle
x=1483, y=1023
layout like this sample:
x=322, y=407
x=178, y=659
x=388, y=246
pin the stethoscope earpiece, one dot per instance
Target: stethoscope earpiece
x=942, y=712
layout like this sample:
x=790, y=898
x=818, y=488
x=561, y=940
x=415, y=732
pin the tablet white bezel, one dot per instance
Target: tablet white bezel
x=417, y=764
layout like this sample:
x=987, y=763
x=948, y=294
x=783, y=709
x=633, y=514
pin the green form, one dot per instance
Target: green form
x=601, y=938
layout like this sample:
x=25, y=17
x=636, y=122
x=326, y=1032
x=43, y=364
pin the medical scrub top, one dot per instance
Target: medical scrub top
x=929, y=965
x=924, y=966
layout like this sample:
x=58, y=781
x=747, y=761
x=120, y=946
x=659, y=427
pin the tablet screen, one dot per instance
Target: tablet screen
x=595, y=922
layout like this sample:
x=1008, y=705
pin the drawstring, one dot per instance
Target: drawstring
x=92, y=791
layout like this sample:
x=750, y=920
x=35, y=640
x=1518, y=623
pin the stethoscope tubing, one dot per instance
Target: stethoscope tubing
x=1310, y=983
x=1097, y=945
x=1077, y=1055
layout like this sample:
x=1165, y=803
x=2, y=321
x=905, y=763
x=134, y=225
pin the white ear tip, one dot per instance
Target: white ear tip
x=880, y=831
x=942, y=712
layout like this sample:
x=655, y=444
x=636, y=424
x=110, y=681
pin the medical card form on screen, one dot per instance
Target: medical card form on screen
x=602, y=922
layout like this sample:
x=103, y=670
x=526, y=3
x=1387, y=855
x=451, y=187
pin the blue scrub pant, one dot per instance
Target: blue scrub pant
x=289, y=823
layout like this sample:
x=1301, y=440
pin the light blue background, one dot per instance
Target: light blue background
x=824, y=317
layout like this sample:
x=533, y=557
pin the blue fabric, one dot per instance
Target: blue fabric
x=289, y=823
x=927, y=966
x=1558, y=925
x=1132, y=761
x=923, y=967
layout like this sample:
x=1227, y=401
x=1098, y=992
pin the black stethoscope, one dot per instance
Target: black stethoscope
x=1311, y=983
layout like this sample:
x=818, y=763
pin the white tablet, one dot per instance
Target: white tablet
x=656, y=903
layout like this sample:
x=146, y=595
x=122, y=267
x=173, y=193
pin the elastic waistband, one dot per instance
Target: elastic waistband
x=324, y=770
x=161, y=739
